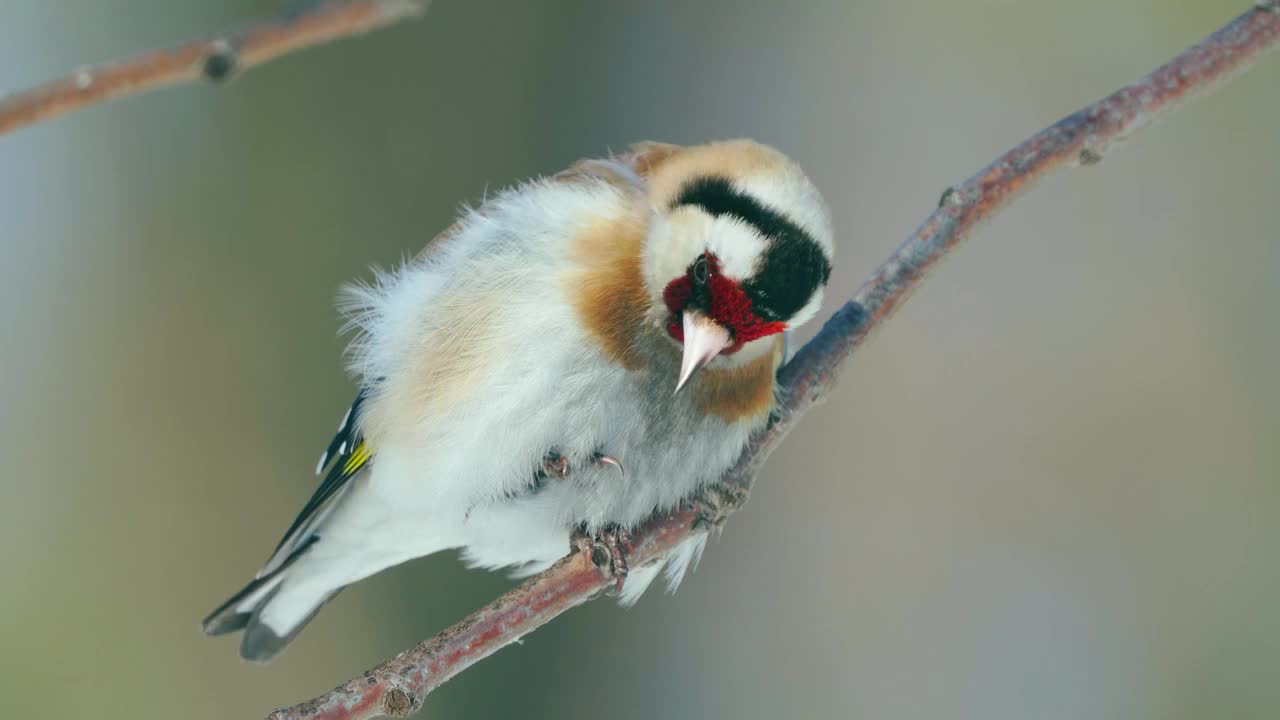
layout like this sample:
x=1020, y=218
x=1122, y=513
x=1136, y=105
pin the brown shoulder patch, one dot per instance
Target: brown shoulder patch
x=738, y=393
x=608, y=291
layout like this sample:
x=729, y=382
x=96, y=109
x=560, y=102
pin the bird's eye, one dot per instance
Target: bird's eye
x=700, y=270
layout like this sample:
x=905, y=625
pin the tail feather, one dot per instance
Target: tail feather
x=244, y=611
x=261, y=643
x=273, y=608
x=234, y=614
x=228, y=617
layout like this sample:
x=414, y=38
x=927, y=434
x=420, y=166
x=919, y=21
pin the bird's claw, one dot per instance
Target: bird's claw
x=602, y=459
x=607, y=549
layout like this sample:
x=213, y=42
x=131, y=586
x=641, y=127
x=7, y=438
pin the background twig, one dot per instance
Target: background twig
x=399, y=686
x=215, y=58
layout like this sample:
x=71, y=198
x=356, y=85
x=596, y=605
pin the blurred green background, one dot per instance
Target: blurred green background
x=1048, y=488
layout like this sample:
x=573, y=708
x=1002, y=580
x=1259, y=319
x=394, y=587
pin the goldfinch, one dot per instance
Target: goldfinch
x=629, y=312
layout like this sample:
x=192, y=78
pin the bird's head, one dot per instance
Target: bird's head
x=739, y=249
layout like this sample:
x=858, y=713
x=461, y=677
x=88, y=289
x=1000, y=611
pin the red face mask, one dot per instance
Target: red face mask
x=705, y=288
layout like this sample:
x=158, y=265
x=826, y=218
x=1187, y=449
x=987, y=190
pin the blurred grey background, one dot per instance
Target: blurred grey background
x=1047, y=489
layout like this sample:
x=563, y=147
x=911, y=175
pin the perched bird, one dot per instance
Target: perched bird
x=628, y=312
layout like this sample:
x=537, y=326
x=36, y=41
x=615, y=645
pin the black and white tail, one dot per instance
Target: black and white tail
x=274, y=607
x=245, y=611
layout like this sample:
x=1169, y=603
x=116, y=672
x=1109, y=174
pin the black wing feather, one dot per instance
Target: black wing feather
x=345, y=456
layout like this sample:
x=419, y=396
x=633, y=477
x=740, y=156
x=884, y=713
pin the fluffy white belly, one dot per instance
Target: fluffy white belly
x=473, y=480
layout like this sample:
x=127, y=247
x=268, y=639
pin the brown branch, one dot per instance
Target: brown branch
x=399, y=686
x=215, y=58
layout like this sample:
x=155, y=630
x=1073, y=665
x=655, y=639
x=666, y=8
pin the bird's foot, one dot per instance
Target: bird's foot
x=715, y=504
x=607, y=550
x=555, y=465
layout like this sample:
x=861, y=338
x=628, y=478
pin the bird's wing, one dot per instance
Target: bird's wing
x=346, y=456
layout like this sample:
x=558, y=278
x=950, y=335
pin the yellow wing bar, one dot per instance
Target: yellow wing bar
x=359, y=457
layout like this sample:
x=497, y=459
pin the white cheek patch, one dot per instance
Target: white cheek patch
x=737, y=245
x=675, y=242
x=677, y=239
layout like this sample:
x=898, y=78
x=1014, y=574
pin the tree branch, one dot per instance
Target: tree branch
x=215, y=58
x=399, y=686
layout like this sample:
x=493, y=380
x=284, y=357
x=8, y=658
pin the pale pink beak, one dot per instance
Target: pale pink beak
x=704, y=339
